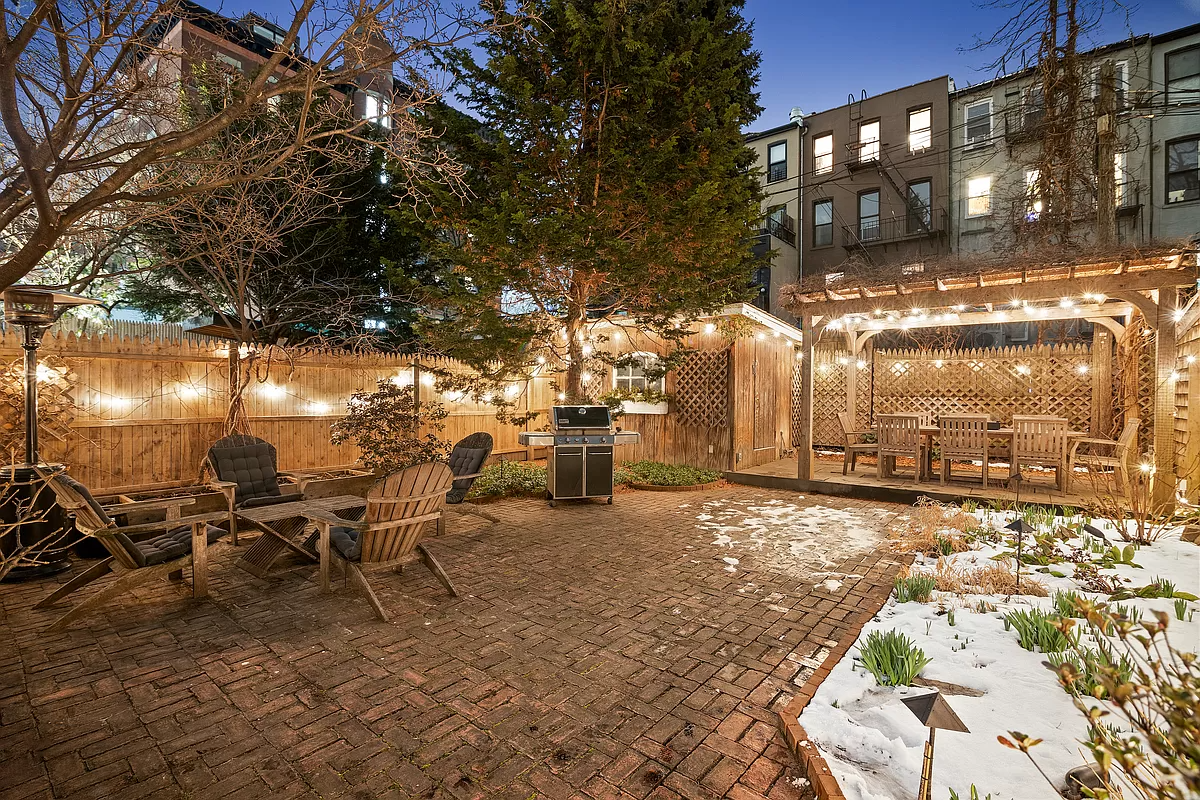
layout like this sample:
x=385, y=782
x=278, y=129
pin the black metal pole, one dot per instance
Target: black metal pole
x=30, y=343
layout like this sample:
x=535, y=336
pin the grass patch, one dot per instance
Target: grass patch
x=994, y=578
x=656, y=473
x=892, y=658
x=510, y=479
x=915, y=588
x=1038, y=630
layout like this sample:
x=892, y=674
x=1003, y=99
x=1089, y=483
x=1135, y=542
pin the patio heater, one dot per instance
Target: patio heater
x=33, y=309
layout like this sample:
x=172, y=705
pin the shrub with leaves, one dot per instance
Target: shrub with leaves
x=656, y=473
x=510, y=479
x=915, y=588
x=1038, y=630
x=892, y=658
x=390, y=430
x=1153, y=689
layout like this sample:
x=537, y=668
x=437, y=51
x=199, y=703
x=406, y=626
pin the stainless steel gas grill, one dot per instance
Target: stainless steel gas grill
x=580, y=462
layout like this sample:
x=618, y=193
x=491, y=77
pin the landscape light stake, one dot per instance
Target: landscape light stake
x=934, y=712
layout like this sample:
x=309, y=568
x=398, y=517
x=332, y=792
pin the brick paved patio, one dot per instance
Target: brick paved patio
x=596, y=652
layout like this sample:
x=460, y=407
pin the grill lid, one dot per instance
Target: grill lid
x=578, y=417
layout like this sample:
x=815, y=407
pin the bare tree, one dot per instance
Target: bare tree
x=95, y=130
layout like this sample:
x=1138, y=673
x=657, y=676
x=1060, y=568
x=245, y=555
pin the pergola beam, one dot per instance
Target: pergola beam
x=1090, y=312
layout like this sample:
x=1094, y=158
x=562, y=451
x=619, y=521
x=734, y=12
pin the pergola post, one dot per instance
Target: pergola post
x=1165, y=354
x=1102, y=393
x=804, y=448
x=852, y=387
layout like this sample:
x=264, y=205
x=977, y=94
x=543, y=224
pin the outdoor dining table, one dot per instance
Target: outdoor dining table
x=281, y=525
x=929, y=432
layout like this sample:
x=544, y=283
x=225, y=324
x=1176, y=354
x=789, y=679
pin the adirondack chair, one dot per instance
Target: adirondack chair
x=963, y=436
x=389, y=535
x=853, y=448
x=1117, y=457
x=1041, y=440
x=181, y=543
x=899, y=435
x=466, y=461
x=245, y=470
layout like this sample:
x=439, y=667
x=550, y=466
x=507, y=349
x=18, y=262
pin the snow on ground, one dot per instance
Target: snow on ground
x=791, y=539
x=874, y=744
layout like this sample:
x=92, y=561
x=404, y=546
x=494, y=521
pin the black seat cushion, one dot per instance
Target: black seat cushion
x=250, y=466
x=86, y=494
x=171, y=545
x=467, y=458
x=345, y=541
x=269, y=500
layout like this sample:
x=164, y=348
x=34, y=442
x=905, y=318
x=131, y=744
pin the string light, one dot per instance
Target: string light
x=541, y=359
x=454, y=396
x=426, y=379
x=586, y=377
x=860, y=363
x=709, y=327
x=1177, y=315
x=587, y=350
x=1023, y=369
x=1174, y=376
x=1190, y=359
x=616, y=337
x=402, y=379
x=319, y=408
x=1082, y=369
x=561, y=396
x=1146, y=467
x=272, y=391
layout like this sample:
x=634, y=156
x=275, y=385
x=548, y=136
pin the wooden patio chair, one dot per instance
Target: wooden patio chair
x=1041, y=440
x=899, y=435
x=136, y=557
x=466, y=463
x=963, y=436
x=852, y=447
x=245, y=470
x=1116, y=458
x=389, y=535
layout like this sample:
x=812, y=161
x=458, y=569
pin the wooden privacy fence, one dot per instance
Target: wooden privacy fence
x=144, y=410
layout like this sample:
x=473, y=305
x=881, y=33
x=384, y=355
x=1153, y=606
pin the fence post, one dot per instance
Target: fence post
x=1102, y=393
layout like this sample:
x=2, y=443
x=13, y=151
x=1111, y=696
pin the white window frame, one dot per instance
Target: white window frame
x=1034, y=204
x=868, y=149
x=987, y=195
x=969, y=140
x=822, y=161
x=1121, y=182
x=920, y=138
x=624, y=377
x=771, y=163
x=1121, y=73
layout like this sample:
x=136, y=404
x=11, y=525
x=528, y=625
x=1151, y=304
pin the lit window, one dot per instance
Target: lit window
x=1033, y=199
x=979, y=197
x=1183, y=170
x=633, y=377
x=920, y=129
x=868, y=215
x=979, y=122
x=1183, y=76
x=377, y=110
x=823, y=154
x=1121, y=179
x=868, y=141
x=777, y=162
x=822, y=223
x=833, y=277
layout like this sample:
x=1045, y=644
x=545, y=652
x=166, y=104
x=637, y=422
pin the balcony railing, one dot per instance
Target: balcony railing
x=863, y=154
x=895, y=229
x=782, y=228
x=1023, y=124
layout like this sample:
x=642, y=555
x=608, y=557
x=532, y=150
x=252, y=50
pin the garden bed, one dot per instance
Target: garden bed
x=873, y=744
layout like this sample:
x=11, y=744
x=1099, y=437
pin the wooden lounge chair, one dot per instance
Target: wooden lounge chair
x=466, y=462
x=899, y=436
x=1041, y=440
x=1116, y=459
x=246, y=472
x=963, y=436
x=852, y=446
x=389, y=535
x=180, y=543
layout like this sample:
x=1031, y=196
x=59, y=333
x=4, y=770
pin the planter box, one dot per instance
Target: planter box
x=639, y=407
x=695, y=487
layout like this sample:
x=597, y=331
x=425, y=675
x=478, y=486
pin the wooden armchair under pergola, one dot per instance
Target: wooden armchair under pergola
x=1105, y=293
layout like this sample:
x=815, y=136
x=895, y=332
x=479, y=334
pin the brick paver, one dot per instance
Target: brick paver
x=598, y=652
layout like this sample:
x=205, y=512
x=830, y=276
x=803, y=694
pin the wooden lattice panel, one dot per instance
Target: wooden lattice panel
x=830, y=371
x=1133, y=382
x=998, y=382
x=702, y=389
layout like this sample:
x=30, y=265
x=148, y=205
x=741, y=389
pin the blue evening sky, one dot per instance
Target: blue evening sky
x=816, y=52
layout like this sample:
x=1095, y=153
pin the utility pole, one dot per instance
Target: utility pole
x=1106, y=178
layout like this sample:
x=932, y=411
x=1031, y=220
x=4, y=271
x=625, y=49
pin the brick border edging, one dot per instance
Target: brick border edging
x=804, y=751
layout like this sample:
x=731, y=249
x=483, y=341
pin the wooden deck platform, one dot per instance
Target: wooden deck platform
x=1038, y=488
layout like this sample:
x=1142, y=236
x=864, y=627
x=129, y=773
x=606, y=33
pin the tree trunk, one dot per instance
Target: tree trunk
x=575, y=323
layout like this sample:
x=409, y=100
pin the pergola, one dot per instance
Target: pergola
x=1106, y=293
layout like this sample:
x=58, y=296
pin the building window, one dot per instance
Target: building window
x=979, y=122
x=1125, y=194
x=868, y=141
x=1120, y=81
x=1183, y=170
x=633, y=377
x=1034, y=107
x=777, y=162
x=920, y=129
x=1033, y=198
x=868, y=215
x=979, y=197
x=919, y=215
x=228, y=61
x=1183, y=76
x=823, y=154
x=377, y=110
x=822, y=223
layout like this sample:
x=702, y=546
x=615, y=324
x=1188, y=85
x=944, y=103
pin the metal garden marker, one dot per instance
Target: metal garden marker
x=934, y=713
